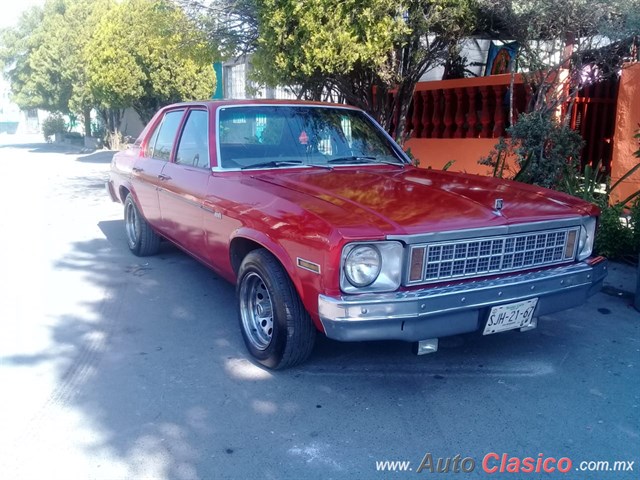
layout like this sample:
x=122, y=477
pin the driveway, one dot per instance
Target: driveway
x=118, y=367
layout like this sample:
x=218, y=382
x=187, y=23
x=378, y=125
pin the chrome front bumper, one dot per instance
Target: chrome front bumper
x=440, y=311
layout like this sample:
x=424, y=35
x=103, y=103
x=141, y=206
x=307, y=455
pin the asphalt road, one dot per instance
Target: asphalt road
x=116, y=367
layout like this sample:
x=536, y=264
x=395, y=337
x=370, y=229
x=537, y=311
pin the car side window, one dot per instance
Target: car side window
x=161, y=142
x=193, y=149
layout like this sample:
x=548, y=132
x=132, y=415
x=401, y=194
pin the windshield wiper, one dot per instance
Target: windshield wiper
x=364, y=159
x=273, y=163
x=352, y=159
x=319, y=165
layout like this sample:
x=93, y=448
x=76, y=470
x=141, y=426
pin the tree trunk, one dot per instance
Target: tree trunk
x=86, y=117
x=112, y=118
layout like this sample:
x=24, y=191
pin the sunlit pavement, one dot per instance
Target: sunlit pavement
x=117, y=367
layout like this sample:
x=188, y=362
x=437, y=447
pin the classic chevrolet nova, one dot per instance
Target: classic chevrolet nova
x=323, y=224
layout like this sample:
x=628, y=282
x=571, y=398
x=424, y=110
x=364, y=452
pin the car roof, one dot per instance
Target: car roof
x=215, y=104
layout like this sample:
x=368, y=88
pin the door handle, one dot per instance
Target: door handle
x=164, y=177
x=137, y=169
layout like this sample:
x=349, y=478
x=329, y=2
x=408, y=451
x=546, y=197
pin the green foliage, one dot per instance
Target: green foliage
x=560, y=40
x=618, y=235
x=546, y=152
x=146, y=54
x=229, y=25
x=19, y=47
x=361, y=50
x=42, y=55
x=615, y=239
x=448, y=165
x=301, y=39
x=53, y=124
x=415, y=161
x=71, y=56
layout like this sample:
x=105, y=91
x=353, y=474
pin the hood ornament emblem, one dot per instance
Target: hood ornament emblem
x=497, y=206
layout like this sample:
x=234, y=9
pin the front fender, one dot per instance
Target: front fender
x=306, y=283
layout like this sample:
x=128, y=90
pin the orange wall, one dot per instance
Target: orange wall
x=624, y=145
x=436, y=152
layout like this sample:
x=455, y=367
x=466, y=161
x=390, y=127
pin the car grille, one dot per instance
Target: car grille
x=475, y=257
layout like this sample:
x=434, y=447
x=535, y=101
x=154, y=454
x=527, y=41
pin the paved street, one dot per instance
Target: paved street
x=116, y=367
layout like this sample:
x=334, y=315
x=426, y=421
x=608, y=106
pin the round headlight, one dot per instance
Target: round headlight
x=362, y=265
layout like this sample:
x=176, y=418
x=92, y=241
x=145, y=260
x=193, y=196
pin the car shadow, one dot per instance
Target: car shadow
x=158, y=369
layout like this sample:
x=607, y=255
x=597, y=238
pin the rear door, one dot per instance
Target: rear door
x=184, y=184
x=148, y=167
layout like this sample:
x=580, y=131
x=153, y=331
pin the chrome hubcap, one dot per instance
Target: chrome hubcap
x=132, y=224
x=256, y=311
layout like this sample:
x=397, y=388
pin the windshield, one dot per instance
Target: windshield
x=279, y=136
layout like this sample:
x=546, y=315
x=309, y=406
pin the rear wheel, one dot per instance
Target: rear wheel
x=141, y=238
x=276, y=327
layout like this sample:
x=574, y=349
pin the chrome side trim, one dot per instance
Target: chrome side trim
x=188, y=201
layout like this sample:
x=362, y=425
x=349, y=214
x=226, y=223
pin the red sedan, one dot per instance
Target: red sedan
x=320, y=220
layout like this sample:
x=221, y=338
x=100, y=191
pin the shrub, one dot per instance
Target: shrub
x=546, y=151
x=615, y=239
x=618, y=236
x=53, y=124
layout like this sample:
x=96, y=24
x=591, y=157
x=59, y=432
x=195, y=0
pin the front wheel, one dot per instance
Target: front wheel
x=276, y=327
x=141, y=238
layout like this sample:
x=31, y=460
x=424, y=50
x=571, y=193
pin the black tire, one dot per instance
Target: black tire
x=141, y=238
x=276, y=327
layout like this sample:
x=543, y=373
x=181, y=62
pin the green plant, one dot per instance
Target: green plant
x=590, y=186
x=415, y=161
x=497, y=158
x=615, y=239
x=545, y=151
x=545, y=154
x=618, y=235
x=448, y=165
x=53, y=124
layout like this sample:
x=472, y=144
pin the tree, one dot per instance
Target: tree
x=71, y=56
x=231, y=26
x=363, y=50
x=146, y=54
x=42, y=57
x=563, y=46
x=587, y=40
x=32, y=87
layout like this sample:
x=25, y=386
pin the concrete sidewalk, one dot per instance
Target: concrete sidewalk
x=622, y=276
x=621, y=280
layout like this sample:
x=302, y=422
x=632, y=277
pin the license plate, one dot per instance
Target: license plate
x=510, y=316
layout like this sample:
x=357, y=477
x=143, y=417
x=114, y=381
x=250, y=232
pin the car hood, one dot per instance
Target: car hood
x=414, y=200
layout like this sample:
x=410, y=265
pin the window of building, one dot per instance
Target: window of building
x=235, y=81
